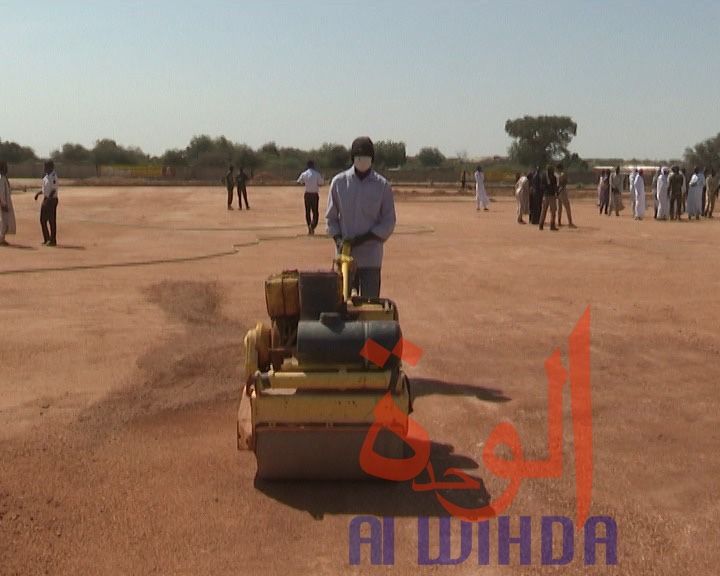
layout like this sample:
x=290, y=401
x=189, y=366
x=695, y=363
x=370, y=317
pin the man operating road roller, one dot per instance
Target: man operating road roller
x=361, y=210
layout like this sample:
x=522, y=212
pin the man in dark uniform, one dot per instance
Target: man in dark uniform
x=230, y=185
x=549, y=190
x=242, y=179
x=675, y=184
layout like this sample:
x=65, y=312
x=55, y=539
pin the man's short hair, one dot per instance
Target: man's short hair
x=310, y=164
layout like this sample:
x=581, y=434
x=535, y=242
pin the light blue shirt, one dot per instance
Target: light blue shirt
x=356, y=207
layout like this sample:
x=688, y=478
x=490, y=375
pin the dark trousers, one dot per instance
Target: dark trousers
x=242, y=190
x=48, y=216
x=230, y=195
x=535, y=208
x=312, y=201
x=367, y=282
x=675, y=205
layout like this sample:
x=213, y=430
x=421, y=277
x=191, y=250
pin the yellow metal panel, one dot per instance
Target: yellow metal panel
x=307, y=408
x=330, y=380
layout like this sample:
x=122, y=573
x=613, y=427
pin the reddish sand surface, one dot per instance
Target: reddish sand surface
x=122, y=361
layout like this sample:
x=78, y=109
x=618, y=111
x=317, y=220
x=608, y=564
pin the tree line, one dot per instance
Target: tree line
x=537, y=140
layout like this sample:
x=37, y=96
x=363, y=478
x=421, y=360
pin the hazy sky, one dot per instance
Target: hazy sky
x=639, y=78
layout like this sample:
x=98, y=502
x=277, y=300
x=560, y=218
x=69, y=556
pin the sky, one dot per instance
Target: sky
x=639, y=78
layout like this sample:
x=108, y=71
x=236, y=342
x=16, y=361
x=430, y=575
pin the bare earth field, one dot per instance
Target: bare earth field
x=121, y=363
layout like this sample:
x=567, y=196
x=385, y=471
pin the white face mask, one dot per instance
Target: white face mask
x=363, y=163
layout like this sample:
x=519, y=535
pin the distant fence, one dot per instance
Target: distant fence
x=166, y=174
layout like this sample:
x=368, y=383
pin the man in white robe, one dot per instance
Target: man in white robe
x=481, y=197
x=694, y=196
x=662, y=196
x=653, y=188
x=522, y=196
x=7, y=212
x=631, y=184
x=639, y=185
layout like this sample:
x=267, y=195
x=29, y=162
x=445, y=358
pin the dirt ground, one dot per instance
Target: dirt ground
x=121, y=362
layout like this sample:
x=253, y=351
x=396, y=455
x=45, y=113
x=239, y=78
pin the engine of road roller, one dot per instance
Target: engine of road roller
x=312, y=385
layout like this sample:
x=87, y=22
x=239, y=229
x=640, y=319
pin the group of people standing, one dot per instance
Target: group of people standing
x=540, y=191
x=48, y=208
x=240, y=180
x=673, y=193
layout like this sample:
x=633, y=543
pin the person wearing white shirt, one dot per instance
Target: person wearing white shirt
x=48, y=210
x=312, y=179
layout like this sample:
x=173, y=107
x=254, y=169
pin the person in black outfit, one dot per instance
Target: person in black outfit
x=230, y=185
x=241, y=180
x=536, y=198
x=550, y=190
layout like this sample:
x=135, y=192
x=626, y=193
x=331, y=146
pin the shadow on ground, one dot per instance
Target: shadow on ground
x=382, y=498
x=20, y=247
x=429, y=387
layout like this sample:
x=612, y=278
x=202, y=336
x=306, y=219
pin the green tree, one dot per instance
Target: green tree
x=174, y=157
x=200, y=146
x=705, y=154
x=246, y=157
x=13, y=153
x=335, y=156
x=269, y=149
x=389, y=154
x=107, y=151
x=540, y=139
x=72, y=153
x=430, y=157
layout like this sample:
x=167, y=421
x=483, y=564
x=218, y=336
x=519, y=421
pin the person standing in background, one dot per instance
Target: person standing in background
x=712, y=182
x=7, y=212
x=241, y=180
x=481, y=197
x=48, y=209
x=694, y=195
x=662, y=195
x=683, y=172
x=639, y=195
x=563, y=199
x=312, y=179
x=653, y=187
x=549, y=190
x=522, y=195
x=536, y=198
x=229, y=181
x=675, y=183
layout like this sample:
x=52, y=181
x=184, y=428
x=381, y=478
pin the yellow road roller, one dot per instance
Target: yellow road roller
x=310, y=392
